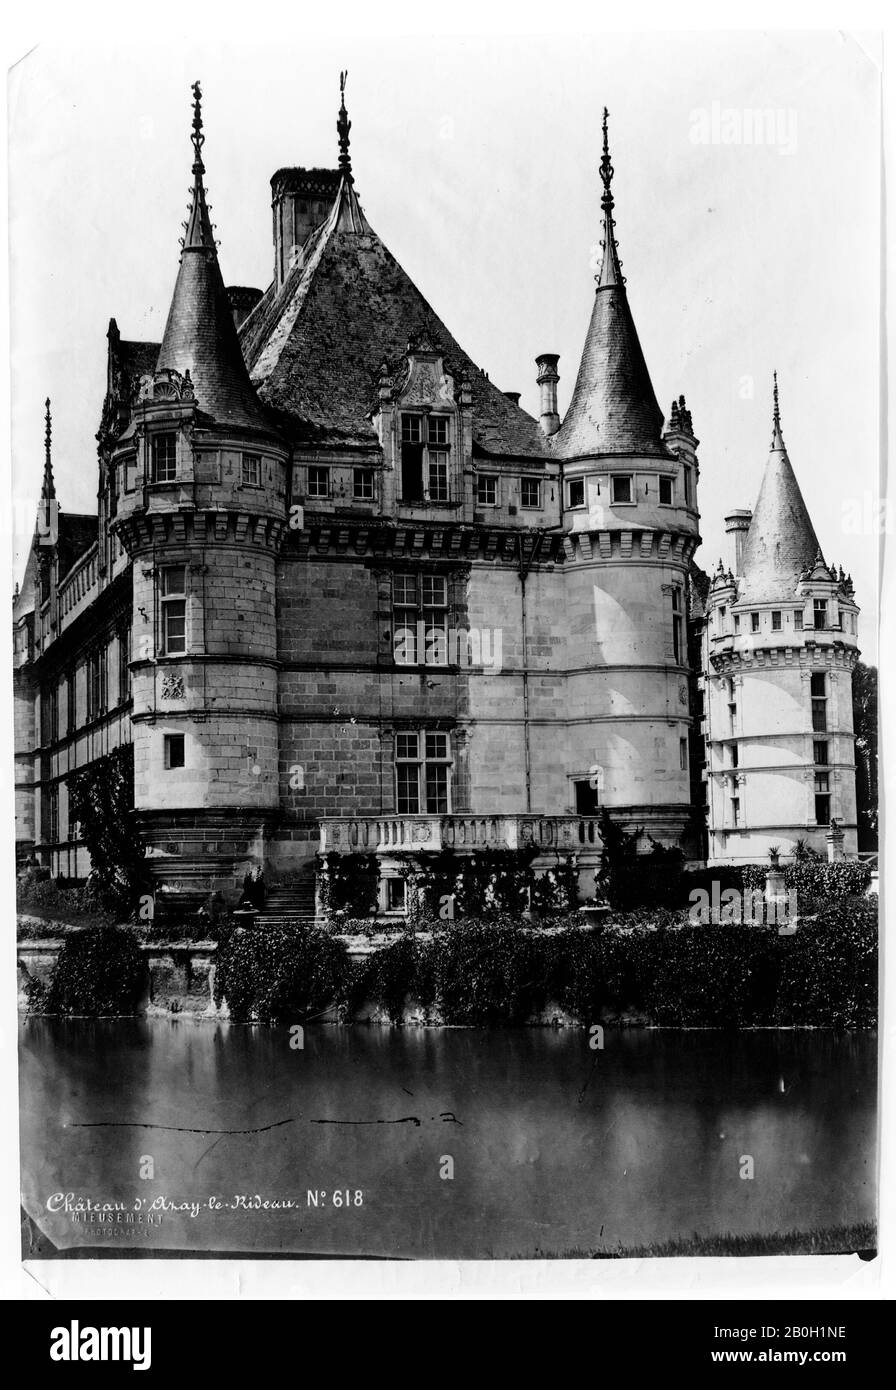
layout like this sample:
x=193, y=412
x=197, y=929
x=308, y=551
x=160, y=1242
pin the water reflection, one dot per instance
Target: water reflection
x=554, y=1146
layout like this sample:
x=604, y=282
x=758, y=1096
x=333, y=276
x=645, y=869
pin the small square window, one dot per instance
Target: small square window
x=665, y=492
x=251, y=470
x=174, y=750
x=407, y=746
x=798, y=619
x=776, y=622
x=754, y=622
x=622, y=489
x=363, y=484
x=435, y=591
x=576, y=488
x=411, y=429
x=487, y=490
x=318, y=482
x=530, y=492
x=437, y=432
x=437, y=745
x=405, y=590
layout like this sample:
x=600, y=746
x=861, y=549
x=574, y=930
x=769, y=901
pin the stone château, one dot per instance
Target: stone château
x=343, y=593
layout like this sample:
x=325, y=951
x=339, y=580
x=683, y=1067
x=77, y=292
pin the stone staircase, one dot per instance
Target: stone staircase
x=288, y=902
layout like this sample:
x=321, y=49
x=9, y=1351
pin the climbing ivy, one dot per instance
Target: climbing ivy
x=101, y=800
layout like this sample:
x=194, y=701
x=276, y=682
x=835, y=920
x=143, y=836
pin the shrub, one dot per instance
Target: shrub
x=482, y=972
x=98, y=972
x=279, y=975
x=828, y=970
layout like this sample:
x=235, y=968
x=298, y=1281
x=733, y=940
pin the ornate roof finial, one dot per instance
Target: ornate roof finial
x=49, y=487
x=343, y=126
x=777, y=436
x=197, y=137
x=198, y=234
x=610, y=270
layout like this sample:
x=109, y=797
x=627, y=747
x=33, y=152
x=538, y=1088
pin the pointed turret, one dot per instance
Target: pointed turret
x=200, y=336
x=613, y=408
x=781, y=541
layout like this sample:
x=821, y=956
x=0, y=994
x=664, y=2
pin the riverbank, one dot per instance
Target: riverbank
x=650, y=969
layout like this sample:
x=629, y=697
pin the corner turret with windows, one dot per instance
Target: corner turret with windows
x=631, y=522
x=780, y=648
x=199, y=476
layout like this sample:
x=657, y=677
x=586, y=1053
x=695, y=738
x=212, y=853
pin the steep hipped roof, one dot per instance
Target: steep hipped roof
x=781, y=540
x=200, y=335
x=613, y=408
x=315, y=349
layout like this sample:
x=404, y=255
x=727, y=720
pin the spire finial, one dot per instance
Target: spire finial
x=606, y=169
x=777, y=436
x=49, y=487
x=197, y=137
x=198, y=233
x=343, y=126
x=610, y=269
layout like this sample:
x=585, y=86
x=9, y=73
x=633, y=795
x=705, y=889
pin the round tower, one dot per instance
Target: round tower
x=630, y=512
x=781, y=645
x=200, y=478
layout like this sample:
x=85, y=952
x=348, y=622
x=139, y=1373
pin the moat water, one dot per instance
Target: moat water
x=435, y=1143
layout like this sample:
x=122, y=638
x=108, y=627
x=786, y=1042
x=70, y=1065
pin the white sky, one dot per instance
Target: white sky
x=476, y=162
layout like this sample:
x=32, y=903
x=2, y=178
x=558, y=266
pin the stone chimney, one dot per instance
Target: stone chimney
x=737, y=524
x=301, y=200
x=547, y=379
x=243, y=300
x=513, y=396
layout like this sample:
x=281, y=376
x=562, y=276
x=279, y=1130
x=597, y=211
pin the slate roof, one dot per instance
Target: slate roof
x=781, y=540
x=137, y=360
x=613, y=408
x=315, y=349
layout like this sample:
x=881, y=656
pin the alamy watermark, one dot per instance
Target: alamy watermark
x=454, y=646
x=730, y=125
x=736, y=907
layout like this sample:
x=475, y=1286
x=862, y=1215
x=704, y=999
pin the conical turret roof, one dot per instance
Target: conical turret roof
x=781, y=540
x=613, y=409
x=200, y=334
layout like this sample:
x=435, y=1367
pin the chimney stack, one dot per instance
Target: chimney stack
x=513, y=396
x=737, y=523
x=547, y=379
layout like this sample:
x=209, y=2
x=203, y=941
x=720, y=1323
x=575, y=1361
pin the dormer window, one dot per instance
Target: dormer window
x=425, y=448
x=164, y=458
x=576, y=493
x=622, y=489
x=820, y=614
